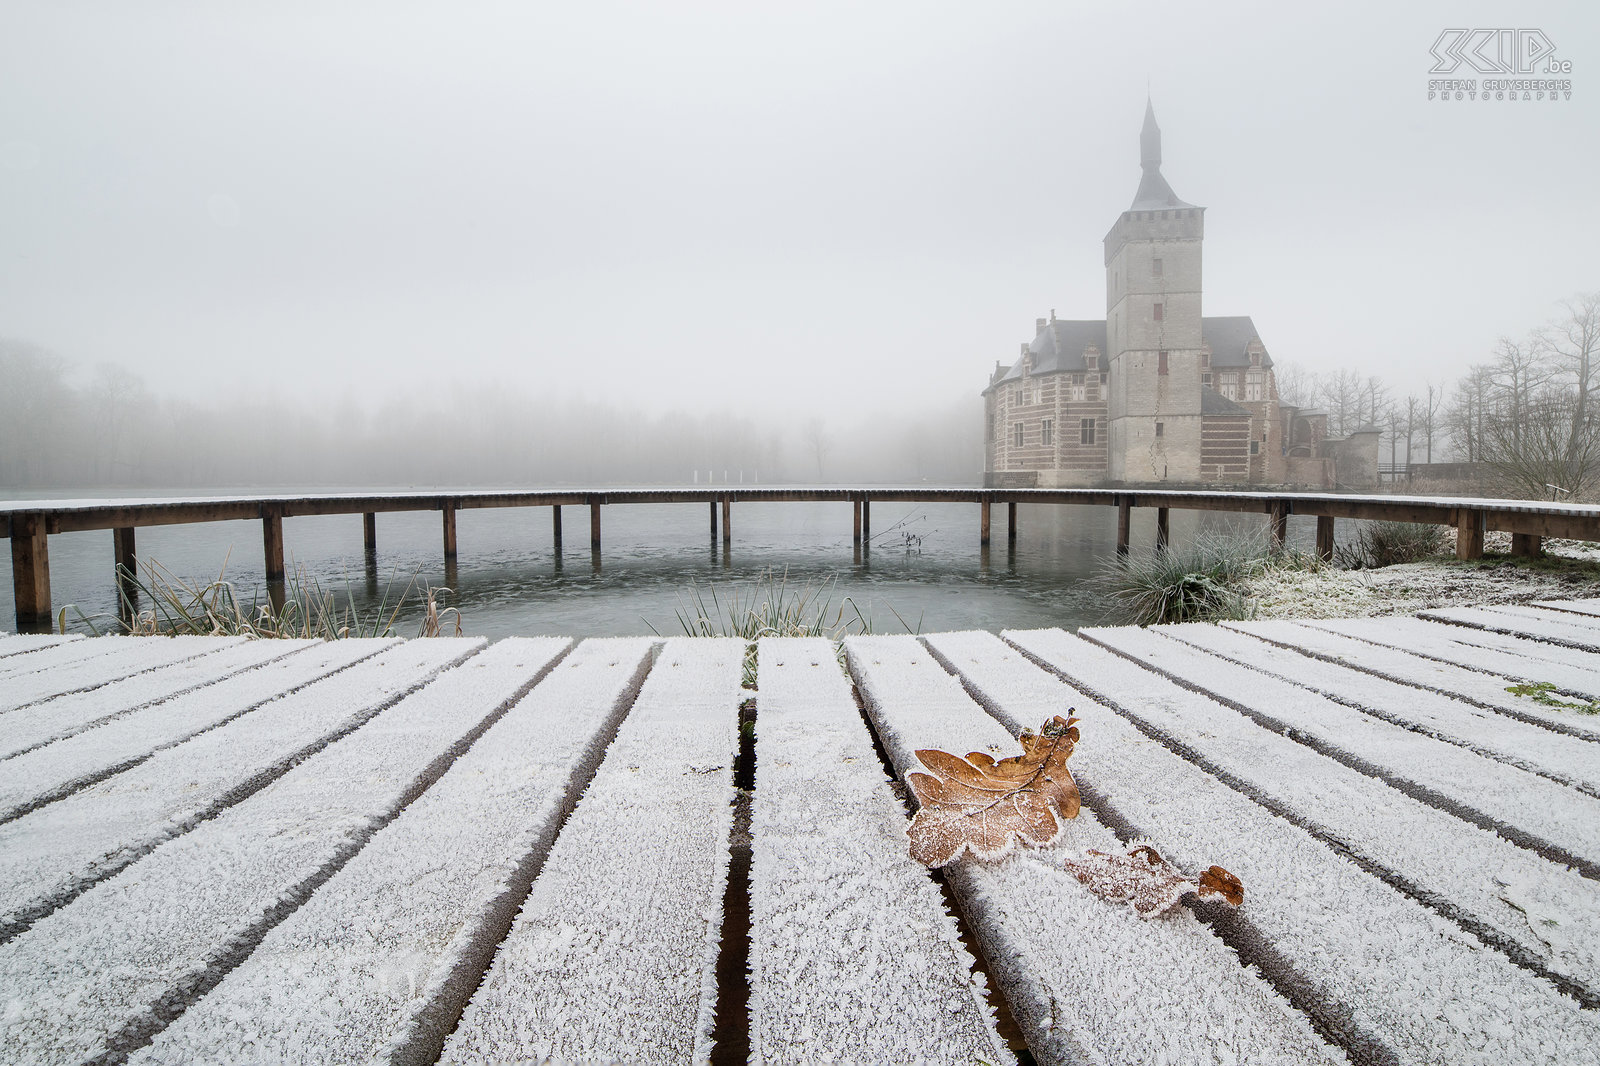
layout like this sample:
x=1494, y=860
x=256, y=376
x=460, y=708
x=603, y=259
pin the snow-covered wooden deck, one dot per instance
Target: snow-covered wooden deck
x=538, y=850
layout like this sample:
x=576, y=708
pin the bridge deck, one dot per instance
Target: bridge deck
x=452, y=851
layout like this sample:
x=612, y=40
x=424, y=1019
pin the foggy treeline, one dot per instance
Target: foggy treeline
x=1528, y=414
x=61, y=428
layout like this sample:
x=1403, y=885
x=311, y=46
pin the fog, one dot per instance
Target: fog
x=407, y=243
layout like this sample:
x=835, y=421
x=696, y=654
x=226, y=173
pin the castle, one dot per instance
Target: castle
x=1154, y=393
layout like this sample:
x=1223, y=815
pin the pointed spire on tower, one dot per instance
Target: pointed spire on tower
x=1154, y=192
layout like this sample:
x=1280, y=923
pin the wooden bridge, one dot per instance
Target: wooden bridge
x=214, y=850
x=29, y=523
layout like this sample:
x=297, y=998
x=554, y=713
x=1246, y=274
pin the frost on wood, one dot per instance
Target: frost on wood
x=1148, y=883
x=985, y=806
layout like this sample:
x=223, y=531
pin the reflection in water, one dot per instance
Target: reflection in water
x=506, y=582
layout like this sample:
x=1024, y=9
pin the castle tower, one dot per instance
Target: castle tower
x=1152, y=258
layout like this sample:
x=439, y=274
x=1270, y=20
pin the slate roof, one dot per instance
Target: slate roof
x=1058, y=347
x=1214, y=403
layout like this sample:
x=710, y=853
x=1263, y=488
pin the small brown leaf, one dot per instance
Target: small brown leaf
x=1146, y=881
x=985, y=806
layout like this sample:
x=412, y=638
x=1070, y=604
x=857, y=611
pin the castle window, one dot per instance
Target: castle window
x=1016, y=435
x=1255, y=447
x=1158, y=312
x=1086, y=431
x=1155, y=268
x=1255, y=358
x=1161, y=358
x=1161, y=429
x=1252, y=390
x=1205, y=379
x=1047, y=432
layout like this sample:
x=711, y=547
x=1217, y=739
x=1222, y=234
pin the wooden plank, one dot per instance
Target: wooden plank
x=53, y=770
x=1472, y=876
x=53, y=653
x=22, y=643
x=613, y=955
x=845, y=926
x=1114, y=988
x=1387, y=987
x=395, y=942
x=104, y=975
x=63, y=716
x=50, y=856
x=1590, y=607
x=1557, y=756
x=1552, y=819
x=1469, y=533
x=1477, y=685
x=1546, y=628
x=126, y=657
x=1527, y=545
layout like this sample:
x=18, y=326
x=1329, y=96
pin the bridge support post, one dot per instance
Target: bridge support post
x=866, y=519
x=127, y=570
x=1124, y=523
x=983, y=524
x=1163, y=528
x=555, y=526
x=1325, y=537
x=1011, y=521
x=855, y=536
x=1280, y=524
x=594, y=527
x=1469, y=533
x=727, y=521
x=272, y=552
x=449, y=531
x=1527, y=545
x=30, y=572
x=369, y=532
x=713, y=521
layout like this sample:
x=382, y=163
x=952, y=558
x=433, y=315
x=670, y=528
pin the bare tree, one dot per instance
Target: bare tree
x=815, y=435
x=1340, y=393
x=1296, y=387
x=1376, y=395
x=1430, y=414
x=1572, y=344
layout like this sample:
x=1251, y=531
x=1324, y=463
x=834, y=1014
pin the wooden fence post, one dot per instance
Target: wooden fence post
x=127, y=571
x=30, y=572
x=1527, y=545
x=1325, y=537
x=272, y=551
x=1469, y=533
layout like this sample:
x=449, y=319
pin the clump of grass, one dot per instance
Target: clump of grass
x=1388, y=543
x=216, y=609
x=1202, y=581
x=770, y=606
x=1544, y=692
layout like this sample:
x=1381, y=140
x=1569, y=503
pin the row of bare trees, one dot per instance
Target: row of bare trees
x=1530, y=413
x=1528, y=416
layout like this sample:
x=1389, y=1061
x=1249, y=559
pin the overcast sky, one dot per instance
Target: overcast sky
x=823, y=207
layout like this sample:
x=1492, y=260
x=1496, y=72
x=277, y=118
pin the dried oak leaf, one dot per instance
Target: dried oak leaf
x=985, y=806
x=1153, y=886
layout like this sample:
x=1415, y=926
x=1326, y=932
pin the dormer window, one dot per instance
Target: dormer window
x=1255, y=358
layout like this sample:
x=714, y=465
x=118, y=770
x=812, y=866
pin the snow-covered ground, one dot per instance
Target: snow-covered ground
x=1410, y=587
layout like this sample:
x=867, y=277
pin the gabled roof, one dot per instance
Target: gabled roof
x=1214, y=403
x=1058, y=347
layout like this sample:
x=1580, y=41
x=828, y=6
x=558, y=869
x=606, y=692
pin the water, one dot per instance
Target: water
x=508, y=580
